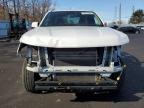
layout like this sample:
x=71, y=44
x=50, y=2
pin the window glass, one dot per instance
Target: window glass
x=71, y=18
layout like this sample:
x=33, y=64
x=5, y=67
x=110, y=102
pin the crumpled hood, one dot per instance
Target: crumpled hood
x=74, y=37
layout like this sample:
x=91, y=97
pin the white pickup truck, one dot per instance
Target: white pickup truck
x=72, y=51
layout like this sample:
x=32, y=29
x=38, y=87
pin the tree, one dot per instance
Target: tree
x=39, y=8
x=44, y=6
x=137, y=17
x=32, y=10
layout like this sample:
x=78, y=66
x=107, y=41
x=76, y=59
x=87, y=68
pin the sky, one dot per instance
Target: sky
x=107, y=10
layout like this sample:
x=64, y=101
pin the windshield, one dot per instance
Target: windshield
x=71, y=18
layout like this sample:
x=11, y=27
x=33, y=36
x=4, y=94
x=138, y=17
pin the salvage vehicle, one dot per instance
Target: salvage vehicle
x=72, y=51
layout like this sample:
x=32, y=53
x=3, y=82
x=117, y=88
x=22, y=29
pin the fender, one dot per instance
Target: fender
x=20, y=47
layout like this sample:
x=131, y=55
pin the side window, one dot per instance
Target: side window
x=97, y=21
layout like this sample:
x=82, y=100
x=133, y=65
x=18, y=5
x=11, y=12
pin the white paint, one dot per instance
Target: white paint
x=74, y=37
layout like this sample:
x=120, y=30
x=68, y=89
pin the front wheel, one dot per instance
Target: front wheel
x=28, y=78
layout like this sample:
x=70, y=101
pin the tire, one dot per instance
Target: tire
x=28, y=78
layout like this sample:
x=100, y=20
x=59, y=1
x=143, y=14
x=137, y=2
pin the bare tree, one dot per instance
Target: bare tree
x=41, y=8
x=32, y=10
x=24, y=13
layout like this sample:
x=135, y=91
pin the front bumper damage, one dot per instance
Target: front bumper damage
x=74, y=78
x=76, y=87
x=77, y=79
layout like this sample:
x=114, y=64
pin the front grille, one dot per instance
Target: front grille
x=76, y=57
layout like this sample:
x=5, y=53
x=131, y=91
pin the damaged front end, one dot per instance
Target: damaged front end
x=74, y=69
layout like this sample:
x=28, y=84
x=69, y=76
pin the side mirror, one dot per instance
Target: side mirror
x=34, y=24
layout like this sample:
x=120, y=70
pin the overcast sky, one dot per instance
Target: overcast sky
x=106, y=9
